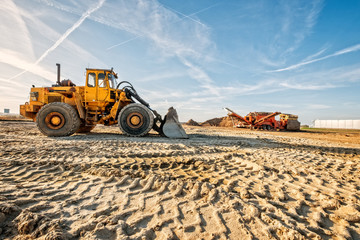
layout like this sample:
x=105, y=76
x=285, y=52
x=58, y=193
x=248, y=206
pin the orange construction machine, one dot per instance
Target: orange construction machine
x=64, y=108
x=266, y=120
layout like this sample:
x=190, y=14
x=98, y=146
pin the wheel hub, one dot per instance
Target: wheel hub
x=135, y=120
x=55, y=120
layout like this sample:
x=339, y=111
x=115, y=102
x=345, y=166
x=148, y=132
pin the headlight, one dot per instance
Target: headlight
x=34, y=96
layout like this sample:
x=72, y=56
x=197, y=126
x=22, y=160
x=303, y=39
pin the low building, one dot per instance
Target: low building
x=340, y=124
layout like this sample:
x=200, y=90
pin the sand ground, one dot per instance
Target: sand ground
x=222, y=183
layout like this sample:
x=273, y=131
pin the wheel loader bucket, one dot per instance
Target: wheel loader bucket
x=172, y=127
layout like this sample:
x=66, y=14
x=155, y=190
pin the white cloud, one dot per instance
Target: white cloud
x=277, y=106
x=161, y=76
x=21, y=56
x=305, y=14
x=318, y=106
x=285, y=29
x=14, y=38
x=151, y=20
x=306, y=86
x=182, y=37
x=16, y=59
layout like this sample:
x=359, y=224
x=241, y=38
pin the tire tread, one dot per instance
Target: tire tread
x=148, y=128
x=73, y=115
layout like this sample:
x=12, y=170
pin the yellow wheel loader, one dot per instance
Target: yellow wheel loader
x=64, y=108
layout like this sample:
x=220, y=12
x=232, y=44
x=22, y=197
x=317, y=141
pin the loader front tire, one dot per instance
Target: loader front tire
x=58, y=119
x=135, y=120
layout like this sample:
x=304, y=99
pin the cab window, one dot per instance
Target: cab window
x=111, y=81
x=101, y=80
x=91, y=80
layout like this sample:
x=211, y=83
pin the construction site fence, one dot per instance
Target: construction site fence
x=341, y=124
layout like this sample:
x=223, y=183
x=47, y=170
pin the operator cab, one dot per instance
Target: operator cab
x=103, y=78
x=100, y=86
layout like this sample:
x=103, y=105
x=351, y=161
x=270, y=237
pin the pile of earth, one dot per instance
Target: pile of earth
x=191, y=122
x=215, y=122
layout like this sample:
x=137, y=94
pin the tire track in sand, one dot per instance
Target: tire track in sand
x=79, y=205
x=218, y=184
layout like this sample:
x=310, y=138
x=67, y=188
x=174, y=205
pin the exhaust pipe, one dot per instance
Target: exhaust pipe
x=58, y=74
x=63, y=83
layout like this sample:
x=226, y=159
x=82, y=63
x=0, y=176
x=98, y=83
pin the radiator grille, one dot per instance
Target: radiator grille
x=54, y=99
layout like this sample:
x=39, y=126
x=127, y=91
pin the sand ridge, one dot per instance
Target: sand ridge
x=219, y=184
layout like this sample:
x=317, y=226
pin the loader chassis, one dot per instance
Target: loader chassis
x=64, y=108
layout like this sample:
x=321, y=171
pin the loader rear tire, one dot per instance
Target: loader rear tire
x=58, y=119
x=135, y=120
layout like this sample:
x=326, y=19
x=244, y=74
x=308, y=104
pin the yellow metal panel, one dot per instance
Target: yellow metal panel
x=22, y=110
x=79, y=106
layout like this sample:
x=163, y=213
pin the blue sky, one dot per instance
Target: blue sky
x=299, y=57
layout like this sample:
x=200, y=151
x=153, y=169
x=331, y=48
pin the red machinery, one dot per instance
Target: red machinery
x=266, y=120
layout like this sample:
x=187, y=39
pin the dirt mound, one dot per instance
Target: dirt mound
x=226, y=122
x=191, y=122
x=12, y=117
x=218, y=122
x=212, y=122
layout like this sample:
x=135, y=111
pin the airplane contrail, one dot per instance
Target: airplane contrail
x=340, y=52
x=189, y=16
x=70, y=30
x=64, y=36
x=129, y=40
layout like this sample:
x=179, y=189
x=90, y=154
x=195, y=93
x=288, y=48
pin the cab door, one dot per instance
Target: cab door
x=103, y=93
x=90, y=89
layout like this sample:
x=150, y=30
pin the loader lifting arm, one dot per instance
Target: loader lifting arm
x=169, y=126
